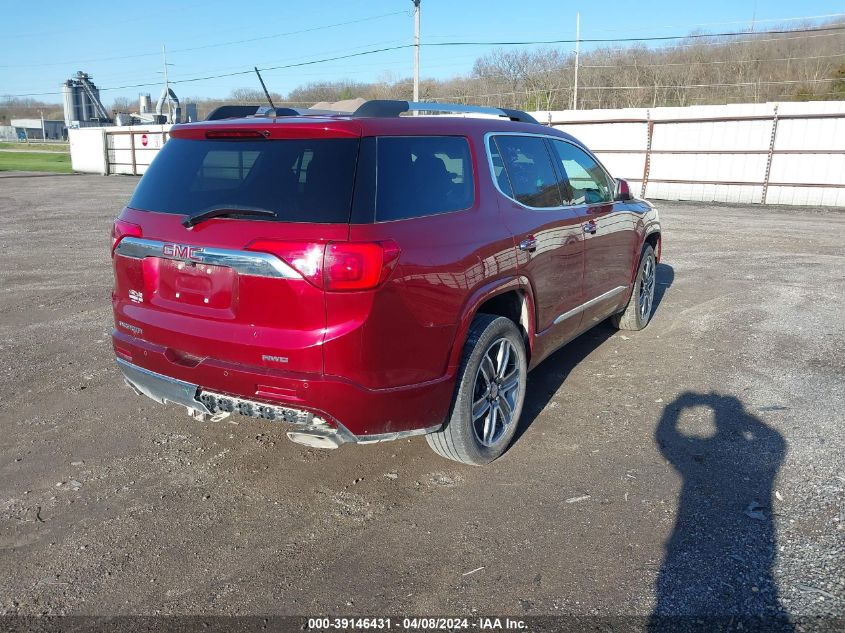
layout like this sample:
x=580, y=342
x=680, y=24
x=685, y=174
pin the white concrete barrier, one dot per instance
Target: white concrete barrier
x=117, y=149
x=775, y=153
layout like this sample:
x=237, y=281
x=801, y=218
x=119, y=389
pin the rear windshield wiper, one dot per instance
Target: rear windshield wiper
x=220, y=211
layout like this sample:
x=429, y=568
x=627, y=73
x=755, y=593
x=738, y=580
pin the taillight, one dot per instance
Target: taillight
x=336, y=266
x=121, y=229
x=353, y=266
x=304, y=257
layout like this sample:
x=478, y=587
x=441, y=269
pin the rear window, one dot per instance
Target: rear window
x=302, y=180
x=422, y=175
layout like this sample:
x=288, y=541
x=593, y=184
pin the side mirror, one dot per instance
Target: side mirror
x=623, y=191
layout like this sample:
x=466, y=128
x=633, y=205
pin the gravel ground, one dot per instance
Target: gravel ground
x=697, y=467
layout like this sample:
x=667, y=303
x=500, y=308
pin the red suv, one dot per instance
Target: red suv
x=372, y=276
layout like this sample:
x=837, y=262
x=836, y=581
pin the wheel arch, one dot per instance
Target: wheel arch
x=511, y=298
x=655, y=239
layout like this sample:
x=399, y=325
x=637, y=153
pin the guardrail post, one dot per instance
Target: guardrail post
x=132, y=148
x=105, y=138
x=770, y=156
x=647, y=164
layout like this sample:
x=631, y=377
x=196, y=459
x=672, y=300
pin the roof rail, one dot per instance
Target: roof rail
x=379, y=108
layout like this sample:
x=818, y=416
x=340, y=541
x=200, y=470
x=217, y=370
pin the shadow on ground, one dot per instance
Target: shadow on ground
x=717, y=571
x=719, y=558
x=548, y=377
x=665, y=277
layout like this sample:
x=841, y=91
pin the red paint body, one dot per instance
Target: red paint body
x=383, y=360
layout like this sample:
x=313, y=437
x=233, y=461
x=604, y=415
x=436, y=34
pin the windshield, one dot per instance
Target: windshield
x=301, y=180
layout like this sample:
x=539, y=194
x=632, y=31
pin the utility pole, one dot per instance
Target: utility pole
x=577, y=53
x=166, y=83
x=416, y=50
x=43, y=133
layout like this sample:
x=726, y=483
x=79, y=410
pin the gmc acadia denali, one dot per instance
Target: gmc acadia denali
x=370, y=276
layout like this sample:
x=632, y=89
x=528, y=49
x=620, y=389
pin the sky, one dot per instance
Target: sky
x=121, y=48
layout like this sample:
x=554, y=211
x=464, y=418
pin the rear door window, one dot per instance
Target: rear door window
x=418, y=176
x=302, y=180
x=530, y=171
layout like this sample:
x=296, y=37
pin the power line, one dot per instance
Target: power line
x=277, y=35
x=405, y=46
x=214, y=45
x=720, y=61
x=98, y=24
x=556, y=70
x=663, y=65
x=715, y=85
x=760, y=39
x=669, y=64
x=628, y=29
x=646, y=87
x=644, y=65
x=660, y=38
x=352, y=49
x=237, y=73
x=687, y=26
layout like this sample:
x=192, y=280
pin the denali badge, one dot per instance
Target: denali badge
x=132, y=328
x=180, y=251
x=275, y=359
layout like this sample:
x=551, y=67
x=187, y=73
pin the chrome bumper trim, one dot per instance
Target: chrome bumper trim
x=396, y=435
x=577, y=310
x=162, y=389
x=167, y=390
x=245, y=262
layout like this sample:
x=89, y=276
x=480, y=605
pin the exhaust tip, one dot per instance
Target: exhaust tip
x=314, y=439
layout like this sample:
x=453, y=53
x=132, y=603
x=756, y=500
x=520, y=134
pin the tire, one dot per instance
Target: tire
x=492, y=376
x=637, y=313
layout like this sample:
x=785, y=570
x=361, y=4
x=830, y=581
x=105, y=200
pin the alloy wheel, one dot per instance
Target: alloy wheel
x=496, y=392
x=647, y=288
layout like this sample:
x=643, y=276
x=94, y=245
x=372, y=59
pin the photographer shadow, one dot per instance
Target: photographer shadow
x=719, y=558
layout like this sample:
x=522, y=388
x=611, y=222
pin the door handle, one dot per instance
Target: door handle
x=528, y=244
x=590, y=227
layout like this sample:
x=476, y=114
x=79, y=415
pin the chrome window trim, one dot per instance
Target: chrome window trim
x=244, y=262
x=578, y=309
x=487, y=137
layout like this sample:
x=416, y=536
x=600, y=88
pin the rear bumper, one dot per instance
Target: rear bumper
x=358, y=414
x=162, y=389
x=166, y=390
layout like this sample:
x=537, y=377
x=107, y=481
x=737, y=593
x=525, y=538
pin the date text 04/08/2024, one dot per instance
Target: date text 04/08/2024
x=423, y=623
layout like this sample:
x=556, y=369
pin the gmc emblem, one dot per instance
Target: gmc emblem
x=180, y=251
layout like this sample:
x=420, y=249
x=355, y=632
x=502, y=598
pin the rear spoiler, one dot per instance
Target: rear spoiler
x=245, y=111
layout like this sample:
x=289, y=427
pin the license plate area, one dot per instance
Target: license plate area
x=195, y=284
x=220, y=403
